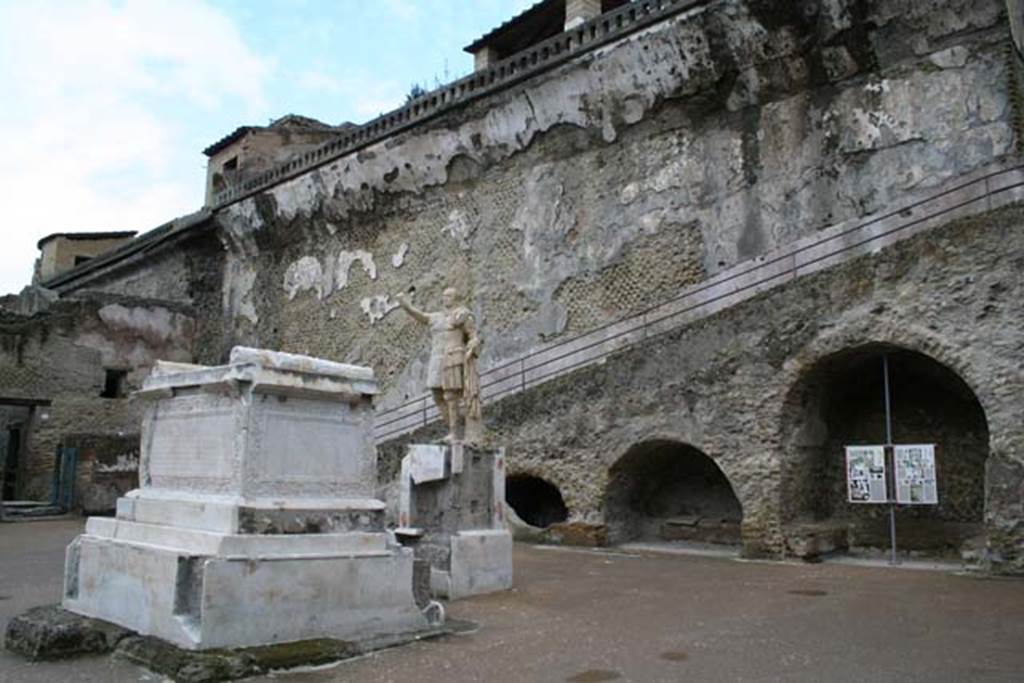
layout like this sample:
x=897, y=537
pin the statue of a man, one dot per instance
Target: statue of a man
x=452, y=375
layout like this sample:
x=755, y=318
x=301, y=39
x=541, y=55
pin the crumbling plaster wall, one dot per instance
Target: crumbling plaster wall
x=595, y=189
x=62, y=354
x=729, y=385
x=186, y=275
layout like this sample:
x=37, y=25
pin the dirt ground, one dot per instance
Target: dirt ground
x=579, y=615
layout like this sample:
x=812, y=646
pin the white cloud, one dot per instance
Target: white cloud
x=366, y=96
x=88, y=141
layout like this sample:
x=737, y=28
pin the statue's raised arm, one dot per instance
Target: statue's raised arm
x=416, y=314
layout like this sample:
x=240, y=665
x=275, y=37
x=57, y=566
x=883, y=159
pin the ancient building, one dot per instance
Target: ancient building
x=691, y=231
x=62, y=252
x=66, y=372
x=250, y=150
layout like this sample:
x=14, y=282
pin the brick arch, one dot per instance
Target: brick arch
x=829, y=398
x=659, y=483
x=536, y=499
x=867, y=331
x=539, y=467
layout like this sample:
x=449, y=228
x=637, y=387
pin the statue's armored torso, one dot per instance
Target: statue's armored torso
x=447, y=349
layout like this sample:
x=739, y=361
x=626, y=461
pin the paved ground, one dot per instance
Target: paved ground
x=589, y=616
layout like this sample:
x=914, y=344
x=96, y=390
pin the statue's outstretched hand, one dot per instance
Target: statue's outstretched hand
x=403, y=300
x=418, y=315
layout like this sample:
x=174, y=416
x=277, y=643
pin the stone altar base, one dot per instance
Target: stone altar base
x=451, y=511
x=250, y=597
x=255, y=521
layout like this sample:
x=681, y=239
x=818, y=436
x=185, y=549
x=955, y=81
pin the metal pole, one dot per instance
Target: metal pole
x=890, y=491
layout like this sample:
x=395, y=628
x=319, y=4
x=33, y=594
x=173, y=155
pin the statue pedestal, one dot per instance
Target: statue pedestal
x=451, y=507
x=255, y=521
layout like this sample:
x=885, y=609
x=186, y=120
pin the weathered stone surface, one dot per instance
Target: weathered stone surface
x=48, y=633
x=1005, y=512
x=452, y=511
x=607, y=184
x=256, y=495
x=810, y=541
x=60, y=354
x=54, y=633
x=421, y=582
x=522, y=531
x=578, y=533
x=730, y=384
x=229, y=430
x=701, y=531
x=188, y=666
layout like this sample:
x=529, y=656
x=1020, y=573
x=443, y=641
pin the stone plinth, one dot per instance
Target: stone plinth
x=451, y=509
x=255, y=521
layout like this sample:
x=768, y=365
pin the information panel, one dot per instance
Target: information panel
x=915, y=474
x=865, y=474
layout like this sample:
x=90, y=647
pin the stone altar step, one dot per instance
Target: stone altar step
x=291, y=546
x=233, y=516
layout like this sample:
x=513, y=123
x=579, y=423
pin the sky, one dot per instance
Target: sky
x=106, y=105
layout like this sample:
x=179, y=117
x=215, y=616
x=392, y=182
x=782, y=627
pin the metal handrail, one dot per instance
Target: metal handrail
x=644, y=323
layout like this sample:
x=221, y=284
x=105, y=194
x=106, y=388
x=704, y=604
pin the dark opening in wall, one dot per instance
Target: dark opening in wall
x=664, y=490
x=10, y=462
x=15, y=422
x=841, y=401
x=114, y=384
x=230, y=165
x=79, y=260
x=537, y=502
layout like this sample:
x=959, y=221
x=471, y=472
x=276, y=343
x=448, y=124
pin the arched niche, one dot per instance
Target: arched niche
x=840, y=401
x=667, y=491
x=536, y=501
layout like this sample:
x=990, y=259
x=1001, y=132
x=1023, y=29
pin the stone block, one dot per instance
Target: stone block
x=456, y=522
x=246, y=598
x=579, y=533
x=233, y=430
x=693, y=528
x=481, y=562
x=45, y=633
x=809, y=541
x=255, y=521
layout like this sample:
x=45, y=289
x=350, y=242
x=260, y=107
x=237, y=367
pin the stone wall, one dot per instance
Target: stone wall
x=595, y=189
x=187, y=273
x=736, y=385
x=108, y=467
x=62, y=356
